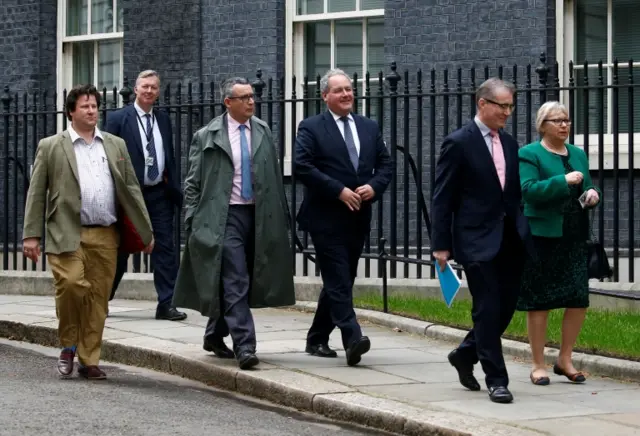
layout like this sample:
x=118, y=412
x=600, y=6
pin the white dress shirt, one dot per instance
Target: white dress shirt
x=157, y=141
x=97, y=189
x=354, y=129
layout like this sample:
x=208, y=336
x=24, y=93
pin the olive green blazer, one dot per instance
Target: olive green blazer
x=544, y=187
x=54, y=193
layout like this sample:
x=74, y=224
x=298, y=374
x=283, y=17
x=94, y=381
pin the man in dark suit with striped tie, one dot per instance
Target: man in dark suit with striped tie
x=344, y=164
x=149, y=138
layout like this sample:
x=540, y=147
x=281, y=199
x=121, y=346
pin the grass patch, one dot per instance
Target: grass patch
x=605, y=332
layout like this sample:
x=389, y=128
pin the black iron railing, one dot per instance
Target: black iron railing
x=414, y=110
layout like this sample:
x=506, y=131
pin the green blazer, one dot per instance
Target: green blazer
x=55, y=186
x=544, y=187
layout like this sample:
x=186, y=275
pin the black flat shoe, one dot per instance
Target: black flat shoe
x=218, y=347
x=357, y=349
x=170, y=314
x=576, y=377
x=465, y=371
x=321, y=350
x=247, y=360
x=539, y=381
x=500, y=394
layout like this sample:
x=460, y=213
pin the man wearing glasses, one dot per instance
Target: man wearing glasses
x=477, y=221
x=237, y=253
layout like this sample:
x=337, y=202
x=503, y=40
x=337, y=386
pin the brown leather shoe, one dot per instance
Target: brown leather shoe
x=92, y=372
x=65, y=362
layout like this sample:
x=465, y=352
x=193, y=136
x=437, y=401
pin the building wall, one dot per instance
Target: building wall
x=163, y=36
x=28, y=44
x=463, y=33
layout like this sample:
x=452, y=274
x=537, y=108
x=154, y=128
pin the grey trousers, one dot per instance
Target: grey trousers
x=237, y=262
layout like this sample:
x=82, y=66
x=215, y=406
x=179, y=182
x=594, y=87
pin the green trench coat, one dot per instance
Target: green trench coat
x=207, y=192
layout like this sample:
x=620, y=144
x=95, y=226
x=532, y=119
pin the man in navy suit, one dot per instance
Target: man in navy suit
x=149, y=138
x=477, y=220
x=344, y=164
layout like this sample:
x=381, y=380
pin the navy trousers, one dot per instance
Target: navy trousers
x=337, y=256
x=163, y=256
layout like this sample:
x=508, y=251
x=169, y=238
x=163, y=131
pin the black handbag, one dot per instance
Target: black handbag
x=597, y=261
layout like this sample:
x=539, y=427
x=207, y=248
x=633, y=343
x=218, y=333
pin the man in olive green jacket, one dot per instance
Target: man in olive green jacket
x=84, y=179
x=237, y=253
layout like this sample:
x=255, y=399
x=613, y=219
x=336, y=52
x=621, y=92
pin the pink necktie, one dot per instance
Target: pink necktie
x=498, y=156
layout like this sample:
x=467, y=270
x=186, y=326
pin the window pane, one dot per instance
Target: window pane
x=626, y=32
x=101, y=16
x=77, y=17
x=342, y=5
x=375, y=46
x=318, y=49
x=372, y=4
x=348, y=38
x=317, y=105
x=120, y=21
x=82, y=63
x=310, y=7
x=591, y=31
x=595, y=108
x=623, y=100
x=108, y=64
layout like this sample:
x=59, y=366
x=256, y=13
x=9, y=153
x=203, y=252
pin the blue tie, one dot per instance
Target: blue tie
x=351, y=144
x=152, y=171
x=245, y=165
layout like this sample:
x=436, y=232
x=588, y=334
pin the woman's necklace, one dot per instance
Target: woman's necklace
x=551, y=150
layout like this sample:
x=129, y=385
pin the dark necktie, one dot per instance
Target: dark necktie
x=152, y=171
x=351, y=144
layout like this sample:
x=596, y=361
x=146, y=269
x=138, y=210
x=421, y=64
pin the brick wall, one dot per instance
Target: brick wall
x=163, y=36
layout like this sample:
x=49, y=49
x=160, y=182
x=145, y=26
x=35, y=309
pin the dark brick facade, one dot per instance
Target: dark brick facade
x=163, y=36
x=28, y=44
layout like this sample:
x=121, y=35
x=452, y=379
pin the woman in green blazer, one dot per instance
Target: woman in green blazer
x=557, y=191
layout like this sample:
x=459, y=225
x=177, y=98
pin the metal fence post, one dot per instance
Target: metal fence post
x=6, y=106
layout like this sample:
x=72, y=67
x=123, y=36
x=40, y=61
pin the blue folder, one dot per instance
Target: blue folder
x=449, y=283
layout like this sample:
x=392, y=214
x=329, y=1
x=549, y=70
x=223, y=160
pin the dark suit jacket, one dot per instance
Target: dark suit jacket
x=322, y=164
x=469, y=206
x=124, y=123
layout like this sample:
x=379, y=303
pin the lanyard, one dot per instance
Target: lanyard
x=147, y=134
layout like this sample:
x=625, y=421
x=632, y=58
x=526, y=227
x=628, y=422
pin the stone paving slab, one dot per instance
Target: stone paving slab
x=404, y=384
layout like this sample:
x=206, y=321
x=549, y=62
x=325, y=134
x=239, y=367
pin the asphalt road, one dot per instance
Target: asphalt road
x=34, y=401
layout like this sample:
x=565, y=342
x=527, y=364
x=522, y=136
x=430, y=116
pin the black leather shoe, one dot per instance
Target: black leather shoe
x=170, y=314
x=357, y=349
x=500, y=394
x=465, y=371
x=218, y=347
x=321, y=350
x=247, y=359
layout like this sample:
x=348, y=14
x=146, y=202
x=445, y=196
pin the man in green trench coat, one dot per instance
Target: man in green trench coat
x=237, y=255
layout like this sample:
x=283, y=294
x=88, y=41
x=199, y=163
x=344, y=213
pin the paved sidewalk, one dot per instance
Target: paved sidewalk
x=402, y=374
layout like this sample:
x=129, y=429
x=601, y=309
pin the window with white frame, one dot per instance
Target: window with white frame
x=345, y=34
x=324, y=34
x=603, y=30
x=90, y=43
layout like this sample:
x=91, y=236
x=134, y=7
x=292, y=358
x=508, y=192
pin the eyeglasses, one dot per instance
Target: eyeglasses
x=559, y=122
x=243, y=98
x=503, y=106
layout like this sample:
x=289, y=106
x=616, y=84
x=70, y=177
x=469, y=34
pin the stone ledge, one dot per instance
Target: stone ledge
x=285, y=387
